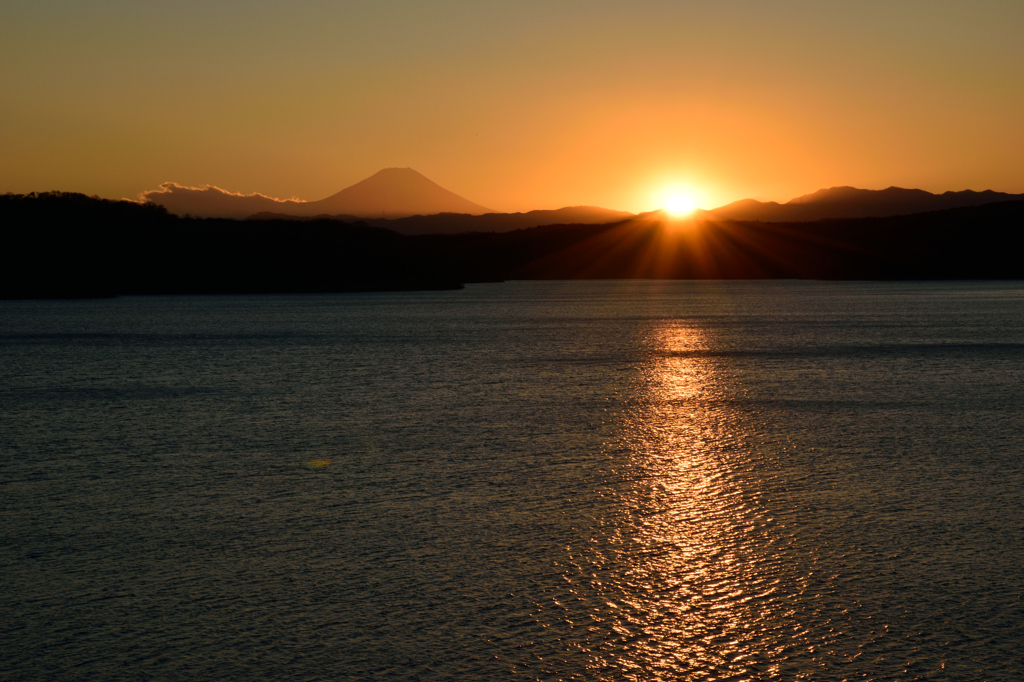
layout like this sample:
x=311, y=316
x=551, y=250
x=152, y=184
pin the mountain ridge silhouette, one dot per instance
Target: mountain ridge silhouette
x=851, y=202
x=406, y=201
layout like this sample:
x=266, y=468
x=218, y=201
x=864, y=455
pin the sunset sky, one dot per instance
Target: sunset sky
x=513, y=105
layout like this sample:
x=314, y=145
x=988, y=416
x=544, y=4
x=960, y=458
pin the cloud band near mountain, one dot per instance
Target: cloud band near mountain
x=214, y=202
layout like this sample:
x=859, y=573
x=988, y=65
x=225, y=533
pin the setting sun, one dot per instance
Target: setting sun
x=679, y=205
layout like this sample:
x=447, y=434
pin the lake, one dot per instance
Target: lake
x=603, y=480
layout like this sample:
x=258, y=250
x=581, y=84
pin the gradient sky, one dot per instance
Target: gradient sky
x=514, y=105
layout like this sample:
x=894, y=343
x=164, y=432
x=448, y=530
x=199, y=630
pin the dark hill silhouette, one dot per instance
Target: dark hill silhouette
x=455, y=223
x=850, y=202
x=966, y=243
x=60, y=245
x=392, y=192
x=63, y=245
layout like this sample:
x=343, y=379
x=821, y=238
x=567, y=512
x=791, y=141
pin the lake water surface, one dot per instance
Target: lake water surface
x=531, y=480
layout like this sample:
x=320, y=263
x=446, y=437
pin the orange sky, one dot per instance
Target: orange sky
x=514, y=105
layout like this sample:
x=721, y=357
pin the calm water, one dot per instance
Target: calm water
x=583, y=480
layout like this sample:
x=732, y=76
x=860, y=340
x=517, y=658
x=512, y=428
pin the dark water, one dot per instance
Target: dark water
x=591, y=480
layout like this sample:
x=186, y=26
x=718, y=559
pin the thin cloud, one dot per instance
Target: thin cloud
x=213, y=202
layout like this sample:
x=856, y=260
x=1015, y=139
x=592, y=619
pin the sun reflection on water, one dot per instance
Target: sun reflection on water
x=682, y=579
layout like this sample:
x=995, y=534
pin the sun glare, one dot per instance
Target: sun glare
x=679, y=205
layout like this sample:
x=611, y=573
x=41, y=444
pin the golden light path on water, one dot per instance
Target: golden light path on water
x=686, y=577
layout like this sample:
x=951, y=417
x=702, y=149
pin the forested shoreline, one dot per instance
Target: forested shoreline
x=65, y=245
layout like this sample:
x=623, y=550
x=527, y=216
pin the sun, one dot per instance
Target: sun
x=679, y=205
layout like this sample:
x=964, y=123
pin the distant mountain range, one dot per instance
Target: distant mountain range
x=850, y=202
x=403, y=200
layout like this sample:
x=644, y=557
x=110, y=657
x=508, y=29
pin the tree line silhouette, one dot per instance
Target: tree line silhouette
x=66, y=245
